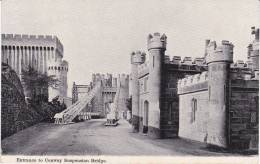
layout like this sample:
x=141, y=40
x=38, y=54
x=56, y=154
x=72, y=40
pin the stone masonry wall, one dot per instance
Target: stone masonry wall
x=169, y=114
x=194, y=116
x=244, y=108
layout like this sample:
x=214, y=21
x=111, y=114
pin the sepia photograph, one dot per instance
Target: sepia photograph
x=130, y=81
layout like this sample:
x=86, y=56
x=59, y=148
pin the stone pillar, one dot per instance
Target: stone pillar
x=156, y=47
x=44, y=60
x=218, y=60
x=12, y=61
x=15, y=60
x=137, y=58
x=19, y=56
x=4, y=54
x=28, y=56
x=38, y=59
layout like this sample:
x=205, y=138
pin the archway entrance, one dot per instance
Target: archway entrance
x=146, y=110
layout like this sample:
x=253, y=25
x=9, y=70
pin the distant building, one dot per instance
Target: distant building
x=43, y=53
x=109, y=86
x=208, y=99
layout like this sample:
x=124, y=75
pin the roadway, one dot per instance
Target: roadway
x=93, y=138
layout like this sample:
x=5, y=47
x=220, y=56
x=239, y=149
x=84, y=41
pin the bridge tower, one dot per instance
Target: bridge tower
x=156, y=46
x=218, y=61
x=137, y=58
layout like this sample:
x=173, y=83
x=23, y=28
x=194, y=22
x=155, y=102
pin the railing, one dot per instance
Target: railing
x=72, y=111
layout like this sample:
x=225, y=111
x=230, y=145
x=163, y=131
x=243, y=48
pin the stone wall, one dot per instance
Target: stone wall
x=244, y=108
x=194, y=116
x=169, y=114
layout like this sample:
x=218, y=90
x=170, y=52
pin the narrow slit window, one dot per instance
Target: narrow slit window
x=153, y=61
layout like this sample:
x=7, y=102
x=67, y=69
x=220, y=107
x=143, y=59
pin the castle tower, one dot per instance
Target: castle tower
x=218, y=60
x=156, y=47
x=59, y=70
x=123, y=81
x=137, y=58
x=253, y=50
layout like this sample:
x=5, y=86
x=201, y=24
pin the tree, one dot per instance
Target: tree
x=129, y=104
x=36, y=84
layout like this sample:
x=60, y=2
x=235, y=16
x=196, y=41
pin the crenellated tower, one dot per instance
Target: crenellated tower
x=137, y=58
x=156, y=44
x=59, y=69
x=253, y=50
x=218, y=60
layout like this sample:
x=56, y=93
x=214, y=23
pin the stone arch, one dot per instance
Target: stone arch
x=146, y=116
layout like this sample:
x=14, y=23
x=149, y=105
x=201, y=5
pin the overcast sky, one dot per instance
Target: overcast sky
x=99, y=35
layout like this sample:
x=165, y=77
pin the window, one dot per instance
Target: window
x=193, y=109
x=145, y=84
x=153, y=61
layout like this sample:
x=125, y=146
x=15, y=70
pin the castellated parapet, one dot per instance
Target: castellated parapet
x=43, y=41
x=223, y=52
x=138, y=57
x=193, y=83
x=156, y=41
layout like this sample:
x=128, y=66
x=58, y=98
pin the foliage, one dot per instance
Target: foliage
x=37, y=83
x=129, y=103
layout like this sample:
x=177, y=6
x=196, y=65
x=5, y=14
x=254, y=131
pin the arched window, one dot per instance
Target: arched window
x=55, y=68
x=193, y=109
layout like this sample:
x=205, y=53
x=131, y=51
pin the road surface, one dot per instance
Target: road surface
x=93, y=138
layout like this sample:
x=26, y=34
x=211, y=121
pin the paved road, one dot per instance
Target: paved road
x=92, y=138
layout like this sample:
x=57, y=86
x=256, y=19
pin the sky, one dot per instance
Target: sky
x=99, y=35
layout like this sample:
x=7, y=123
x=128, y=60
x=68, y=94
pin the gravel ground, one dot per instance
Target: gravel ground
x=93, y=138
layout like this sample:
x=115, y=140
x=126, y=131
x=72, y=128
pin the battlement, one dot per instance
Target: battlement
x=156, y=41
x=28, y=37
x=222, y=52
x=186, y=61
x=138, y=57
x=193, y=83
x=32, y=40
x=123, y=76
x=193, y=79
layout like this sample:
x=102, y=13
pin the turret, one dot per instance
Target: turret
x=218, y=60
x=59, y=70
x=253, y=50
x=156, y=44
x=137, y=58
